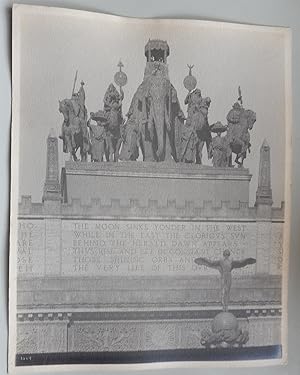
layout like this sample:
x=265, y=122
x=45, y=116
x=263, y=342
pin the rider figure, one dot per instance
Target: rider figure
x=233, y=118
x=74, y=131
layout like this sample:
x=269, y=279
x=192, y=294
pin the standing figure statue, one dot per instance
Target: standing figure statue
x=113, y=110
x=195, y=131
x=240, y=121
x=218, y=149
x=130, y=137
x=225, y=266
x=98, y=135
x=74, y=131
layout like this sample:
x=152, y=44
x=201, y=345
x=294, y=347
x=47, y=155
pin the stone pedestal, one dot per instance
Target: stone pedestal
x=150, y=181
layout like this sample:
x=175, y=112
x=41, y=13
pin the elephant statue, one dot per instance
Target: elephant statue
x=153, y=113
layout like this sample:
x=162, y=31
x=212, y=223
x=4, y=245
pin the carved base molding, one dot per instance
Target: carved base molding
x=61, y=332
x=42, y=336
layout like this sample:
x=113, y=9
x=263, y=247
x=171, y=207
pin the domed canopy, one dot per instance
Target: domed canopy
x=157, y=50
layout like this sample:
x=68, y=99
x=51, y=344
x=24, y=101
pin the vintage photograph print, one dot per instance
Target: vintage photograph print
x=149, y=191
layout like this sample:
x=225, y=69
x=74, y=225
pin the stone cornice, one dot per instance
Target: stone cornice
x=36, y=315
x=155, y=169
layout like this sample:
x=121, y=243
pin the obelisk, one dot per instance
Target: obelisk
x=264, y=191
x=263, y=206
x=52, y=191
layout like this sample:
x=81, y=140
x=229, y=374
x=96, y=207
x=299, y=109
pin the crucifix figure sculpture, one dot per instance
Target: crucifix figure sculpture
x=225, y=266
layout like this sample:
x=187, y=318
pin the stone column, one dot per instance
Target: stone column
x=263, y=206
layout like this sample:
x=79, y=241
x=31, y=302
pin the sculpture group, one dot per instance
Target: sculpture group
x=155, y=129
x=155, y=124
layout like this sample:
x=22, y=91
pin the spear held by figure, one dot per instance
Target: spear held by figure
x=74, y=84
x=225, y=266
x=240, y=98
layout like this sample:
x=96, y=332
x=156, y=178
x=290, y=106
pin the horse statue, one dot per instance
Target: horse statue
x=113, y=110
x=240, y=121
x=74, y=131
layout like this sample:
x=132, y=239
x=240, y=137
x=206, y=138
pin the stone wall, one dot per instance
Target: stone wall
x=59, y=244
x=155, y=292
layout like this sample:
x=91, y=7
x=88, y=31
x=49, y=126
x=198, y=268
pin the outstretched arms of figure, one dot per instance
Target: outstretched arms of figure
x=243, y=262
x=208, y=263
